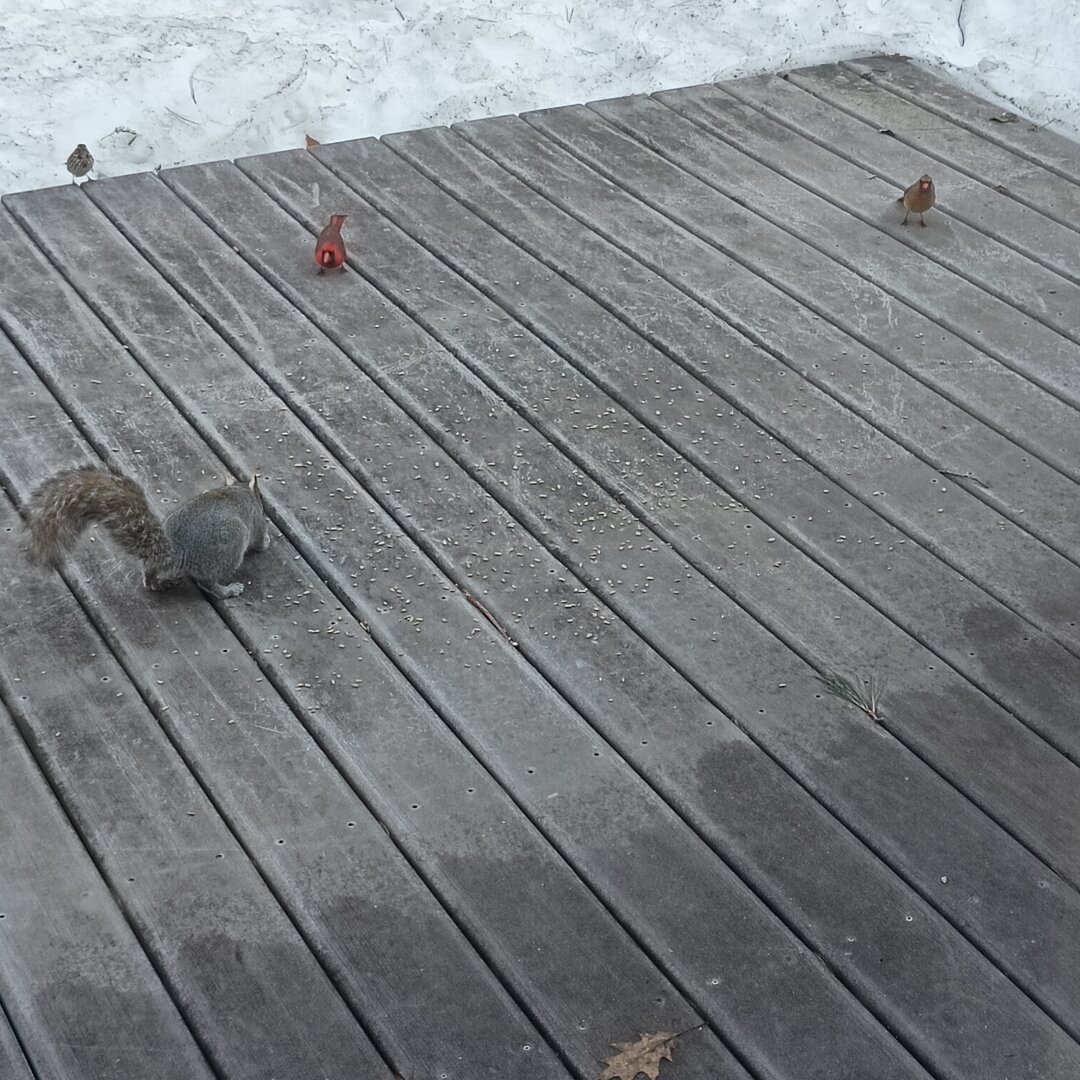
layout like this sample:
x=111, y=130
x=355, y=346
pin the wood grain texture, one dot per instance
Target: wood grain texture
x=74, y=979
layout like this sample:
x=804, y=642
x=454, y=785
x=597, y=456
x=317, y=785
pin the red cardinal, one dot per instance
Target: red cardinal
x=330, y=248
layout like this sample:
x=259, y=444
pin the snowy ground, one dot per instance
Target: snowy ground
x=186, y=85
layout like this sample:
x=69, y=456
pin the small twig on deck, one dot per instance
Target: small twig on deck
x=963, y=476
x=487, y=615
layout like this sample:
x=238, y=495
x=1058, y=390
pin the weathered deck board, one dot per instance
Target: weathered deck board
x=367, y=916
x=854, y=625
x=288, y=172
x=775, y=479
x=73, y=976
x=810, y=422
x=831, y=436
x=585, y=781
x=970, y=116
x=378, y=182
x=186, y=882
x=964, y=266
x=886, y=163
x=618, y=427
x=13, y=1061
x=1021, y=573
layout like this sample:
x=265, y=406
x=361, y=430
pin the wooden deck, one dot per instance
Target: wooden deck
x=623, y=422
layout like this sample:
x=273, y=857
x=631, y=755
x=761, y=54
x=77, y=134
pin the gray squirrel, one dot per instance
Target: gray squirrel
x=205, y=538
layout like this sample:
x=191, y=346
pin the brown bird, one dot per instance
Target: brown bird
x=80, y=162
x=330, y=248
x=918, y=198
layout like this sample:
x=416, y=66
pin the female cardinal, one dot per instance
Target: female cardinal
x=918, y=198
x=330, y=248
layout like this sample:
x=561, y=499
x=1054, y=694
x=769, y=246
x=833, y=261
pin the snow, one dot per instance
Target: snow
x=186, y=85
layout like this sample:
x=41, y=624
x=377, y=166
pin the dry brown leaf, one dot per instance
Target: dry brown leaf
x=309, y=142
x=643, y=1056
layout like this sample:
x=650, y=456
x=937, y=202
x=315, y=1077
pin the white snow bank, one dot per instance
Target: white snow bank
x=186, y=85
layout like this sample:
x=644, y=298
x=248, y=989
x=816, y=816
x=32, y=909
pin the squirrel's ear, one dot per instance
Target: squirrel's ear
x=254, y=484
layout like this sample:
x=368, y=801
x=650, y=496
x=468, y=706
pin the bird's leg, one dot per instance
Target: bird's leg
x=904, y=222
x=922, y=221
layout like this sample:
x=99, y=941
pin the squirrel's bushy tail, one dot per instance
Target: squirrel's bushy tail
x=65, y=504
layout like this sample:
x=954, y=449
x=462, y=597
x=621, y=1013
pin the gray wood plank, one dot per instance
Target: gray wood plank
x=13, y=1061
x=292, y=178
x=1002, y=559
x=1037, y=498
x=442, y=229
x=74, y=979
x=144, y=222
x=985, y=260
x=997, y=154
x=796, y=595
x=538, y=924
x=230, y=955
x=882, y=384
x=884, y=266
x=246, y=980
x=614, y=822
x=1031, y=350
x=392, y=950
x=1037, y=143
x=888, y=163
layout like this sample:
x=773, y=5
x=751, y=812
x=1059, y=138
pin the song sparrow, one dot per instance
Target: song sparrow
x=80, y=162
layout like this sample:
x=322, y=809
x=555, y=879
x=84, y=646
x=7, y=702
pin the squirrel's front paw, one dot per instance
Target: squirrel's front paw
x=222, y=592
